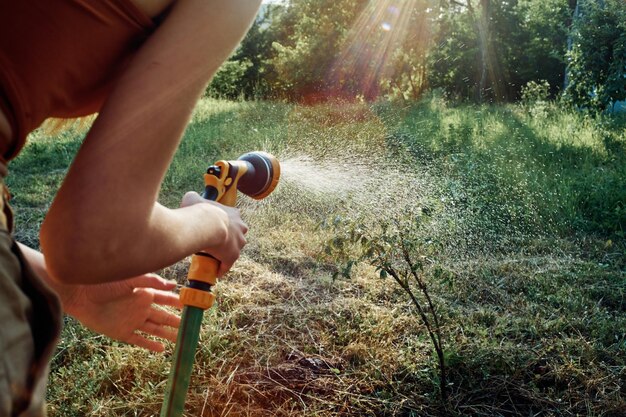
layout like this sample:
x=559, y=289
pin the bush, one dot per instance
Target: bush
x=227, y=82
x=534, y=92
x=398, y=250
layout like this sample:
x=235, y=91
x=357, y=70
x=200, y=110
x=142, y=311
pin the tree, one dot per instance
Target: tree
x=540, y=47
x=488, y=50
x=482, y=50
x=597, y=59
x=405, y=69
x=227, y=81
x=474, y=23
x=246, y=71
x=490, y=68
x=350, y=48
x=453, y=62
x=308, y=39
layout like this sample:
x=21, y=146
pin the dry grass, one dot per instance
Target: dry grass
x=534, y=322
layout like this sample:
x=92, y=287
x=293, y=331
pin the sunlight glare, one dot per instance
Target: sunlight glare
x=370, y=44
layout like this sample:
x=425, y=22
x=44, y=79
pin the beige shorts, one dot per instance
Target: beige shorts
x=30, y=323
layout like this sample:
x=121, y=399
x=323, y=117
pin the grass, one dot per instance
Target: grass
x=524, y=207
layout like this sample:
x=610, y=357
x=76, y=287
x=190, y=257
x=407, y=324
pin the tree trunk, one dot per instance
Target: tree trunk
x=490, y=72
x=569, y=44
x=483, y=43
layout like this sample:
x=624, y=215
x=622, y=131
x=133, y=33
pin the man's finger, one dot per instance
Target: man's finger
x=152, y=281
x=144, y=342
x=163, y=332
x=191, y=198
x=163, y=318
x=167, y=298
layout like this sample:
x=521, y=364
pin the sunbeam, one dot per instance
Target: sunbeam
x=376, y=35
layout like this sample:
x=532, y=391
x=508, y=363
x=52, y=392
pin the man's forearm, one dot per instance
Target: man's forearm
x=105, y=207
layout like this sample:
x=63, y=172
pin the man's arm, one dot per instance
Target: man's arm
x=104, y=224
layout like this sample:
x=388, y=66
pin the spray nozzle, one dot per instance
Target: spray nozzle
x=255, y=174
x=261, y=176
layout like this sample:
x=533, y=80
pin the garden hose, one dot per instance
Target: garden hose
x=255, y=174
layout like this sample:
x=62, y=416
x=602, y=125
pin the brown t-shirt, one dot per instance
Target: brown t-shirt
x=60, y=58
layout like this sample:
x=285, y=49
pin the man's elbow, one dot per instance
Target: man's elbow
x=69, y=259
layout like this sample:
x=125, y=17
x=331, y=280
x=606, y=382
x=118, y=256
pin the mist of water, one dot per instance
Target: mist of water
x=324, y=177
x=372, y=188
x=373, y=191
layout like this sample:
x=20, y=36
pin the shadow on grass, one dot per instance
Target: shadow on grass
x=512, y=175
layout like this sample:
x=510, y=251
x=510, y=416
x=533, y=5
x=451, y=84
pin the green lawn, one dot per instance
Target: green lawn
x=516, y=214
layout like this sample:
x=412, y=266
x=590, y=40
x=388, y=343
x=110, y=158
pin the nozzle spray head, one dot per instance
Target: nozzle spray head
x=255, y=174
x=261, y=176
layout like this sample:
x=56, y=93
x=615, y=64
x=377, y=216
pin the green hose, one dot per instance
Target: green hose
x=258, y=173
x=180, y=374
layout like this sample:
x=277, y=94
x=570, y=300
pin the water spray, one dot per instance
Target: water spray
x=255, y=174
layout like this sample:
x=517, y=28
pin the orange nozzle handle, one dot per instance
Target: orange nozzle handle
x=203, y=268
x=202, y=275
x=221, y=184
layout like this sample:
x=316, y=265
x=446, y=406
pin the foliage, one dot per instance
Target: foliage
x=245, y=73
x=534, y=92
x=453, y=60
x=539, y=43
x=597, y=60
x=308, y=51
x=308, y=41
x=397, y=249
x=256, y=48
x=405, y=72
x=352, y=48
x=526, y=40
x=227, y=82
x=489, y=49
x=535, y=97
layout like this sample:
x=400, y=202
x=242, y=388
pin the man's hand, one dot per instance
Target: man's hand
x=233, y=239
x=129, y=310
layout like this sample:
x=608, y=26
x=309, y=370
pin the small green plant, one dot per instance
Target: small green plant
x=534, y=92
x=397, y=249
x=535, y=98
